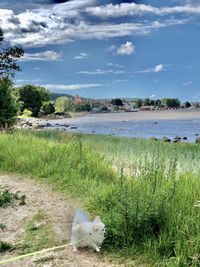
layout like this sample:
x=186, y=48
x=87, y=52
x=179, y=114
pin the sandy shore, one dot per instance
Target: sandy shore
x=150, y=115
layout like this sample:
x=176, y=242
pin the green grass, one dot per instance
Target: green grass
x=147, y=200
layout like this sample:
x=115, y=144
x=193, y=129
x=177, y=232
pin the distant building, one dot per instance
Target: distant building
x=147, y=108
x=77, y=99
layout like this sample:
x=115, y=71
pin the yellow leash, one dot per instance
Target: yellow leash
x=38, y=252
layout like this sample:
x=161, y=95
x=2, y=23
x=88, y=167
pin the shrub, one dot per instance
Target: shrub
x=47, y=108
x=5, y=246
x=8, y=107
x=27, y=113
x=64, y=104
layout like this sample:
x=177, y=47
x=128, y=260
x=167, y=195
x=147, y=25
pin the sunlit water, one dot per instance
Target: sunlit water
x=135, y=124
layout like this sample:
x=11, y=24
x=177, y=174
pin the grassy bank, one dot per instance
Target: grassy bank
x=147, y=201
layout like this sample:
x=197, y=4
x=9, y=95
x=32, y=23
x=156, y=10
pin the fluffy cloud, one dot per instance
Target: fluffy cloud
x=64, y=23
x=42, y=56
x=158, y=68
x=126, y=49
x=130, y=9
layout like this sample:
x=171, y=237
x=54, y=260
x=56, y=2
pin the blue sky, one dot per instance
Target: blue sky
x=106, y=49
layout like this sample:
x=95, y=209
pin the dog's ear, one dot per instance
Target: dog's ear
x=97, y=219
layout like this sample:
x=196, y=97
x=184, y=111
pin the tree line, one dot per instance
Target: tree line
x=160, y=103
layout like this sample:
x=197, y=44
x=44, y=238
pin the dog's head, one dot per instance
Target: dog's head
x=99, y=226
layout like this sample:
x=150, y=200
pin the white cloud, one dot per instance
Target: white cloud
x=152, y=96
x=21, y=81
x=126, y=49
x=100, y=71
x=111, y=48
x=70, y=87
x=81, y=56
x=131, y=9
x=115, y=65
x=47, y=55
x=40, y=27
x=158, y=68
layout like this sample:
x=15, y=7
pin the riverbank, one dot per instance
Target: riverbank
x=184, y=124
x=142, y=190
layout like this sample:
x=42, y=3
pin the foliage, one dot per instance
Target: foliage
x=7, y=198
x=8, y=57
x=27, y=113
x=8, y=107
x=48, y=108
x=171, y=102
x=5, y=246
x=82, y=107
x=64, y=104
x=117, y=102
x=32, y=97
x=138, y=103
x=2, y=226
x=186, y=104
x=146, y=102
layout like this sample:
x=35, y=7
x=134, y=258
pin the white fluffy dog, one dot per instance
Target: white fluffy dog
x=86, y=233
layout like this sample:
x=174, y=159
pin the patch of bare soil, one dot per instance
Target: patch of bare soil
x=60, y=213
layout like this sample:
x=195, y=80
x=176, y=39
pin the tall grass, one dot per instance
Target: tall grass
x=149, y=210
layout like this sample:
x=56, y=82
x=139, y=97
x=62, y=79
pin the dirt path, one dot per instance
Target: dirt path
x=60, y=213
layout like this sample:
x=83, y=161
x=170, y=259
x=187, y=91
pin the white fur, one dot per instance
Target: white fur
x=90, y=234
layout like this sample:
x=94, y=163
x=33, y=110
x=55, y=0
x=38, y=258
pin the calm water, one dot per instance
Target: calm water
x=136, y=124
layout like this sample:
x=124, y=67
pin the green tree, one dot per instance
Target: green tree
x=8, y=107
x=64, y=104
x=32, y=97
x=82, y=107
x=186, y=104
x=117, y=102
x=8, y=59
x=146, y=102
x=138, y=103
x=47, y=108
x=171, y=102
x=158, y=103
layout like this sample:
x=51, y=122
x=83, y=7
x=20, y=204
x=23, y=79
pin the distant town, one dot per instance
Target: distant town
x=36, y=101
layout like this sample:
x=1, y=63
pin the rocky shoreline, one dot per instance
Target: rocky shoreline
x=41, y=124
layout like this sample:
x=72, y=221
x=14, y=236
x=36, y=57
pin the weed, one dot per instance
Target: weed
x=2, y=226
x=7, y=198
x=5, y=246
